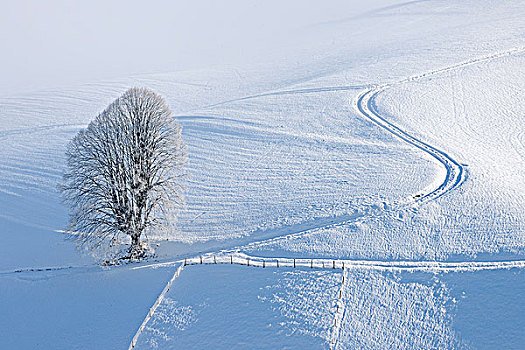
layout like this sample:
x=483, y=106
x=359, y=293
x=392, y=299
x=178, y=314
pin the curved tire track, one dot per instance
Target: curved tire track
x=454, y=170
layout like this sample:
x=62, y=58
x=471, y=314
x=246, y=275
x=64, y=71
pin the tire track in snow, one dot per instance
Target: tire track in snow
x=26, y=131
x=292, y=92
x=455, y=172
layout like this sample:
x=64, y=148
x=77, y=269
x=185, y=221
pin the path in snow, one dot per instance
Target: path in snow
x=455, y=172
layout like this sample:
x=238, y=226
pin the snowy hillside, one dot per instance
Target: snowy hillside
x=355, y=176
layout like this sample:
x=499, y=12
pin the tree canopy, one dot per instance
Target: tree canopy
x=123, y=172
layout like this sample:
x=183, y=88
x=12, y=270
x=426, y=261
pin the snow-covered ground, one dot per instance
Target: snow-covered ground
x=76, y=308
x=231, y=306
x=388, y=131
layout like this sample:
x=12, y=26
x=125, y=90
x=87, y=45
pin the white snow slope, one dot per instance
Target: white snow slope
x=386, y=136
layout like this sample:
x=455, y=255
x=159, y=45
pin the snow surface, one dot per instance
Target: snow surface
x=76, y=308
x=231, y=306
x=283, y=163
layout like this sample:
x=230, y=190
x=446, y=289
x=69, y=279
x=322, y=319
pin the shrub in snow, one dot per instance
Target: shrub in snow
x=123, y=173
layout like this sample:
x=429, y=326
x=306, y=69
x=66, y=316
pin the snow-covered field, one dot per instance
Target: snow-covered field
x=245, y=307
x=387, y=133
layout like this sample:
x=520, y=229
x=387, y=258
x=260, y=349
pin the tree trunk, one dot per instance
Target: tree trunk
x=136, y=251
x=135, y=240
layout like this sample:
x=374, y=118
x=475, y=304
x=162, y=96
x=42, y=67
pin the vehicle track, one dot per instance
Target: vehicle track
x=454, y=170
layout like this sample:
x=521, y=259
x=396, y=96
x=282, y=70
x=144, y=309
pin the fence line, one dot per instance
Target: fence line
x=242, y=259
x=339, y=313
x=238, y=258
x=155, y=306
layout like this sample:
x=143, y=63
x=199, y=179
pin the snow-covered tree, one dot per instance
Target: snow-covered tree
x=123, y=173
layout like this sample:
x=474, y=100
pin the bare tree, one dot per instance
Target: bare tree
x=123, y=172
